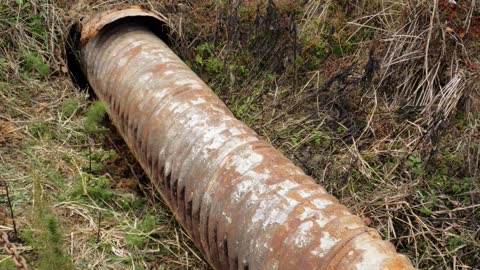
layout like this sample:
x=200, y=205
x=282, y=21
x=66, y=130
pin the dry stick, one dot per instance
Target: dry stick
x=341, y=76
x=294, y=33
x=98, y=226
x=9, y=202
x=90, y=158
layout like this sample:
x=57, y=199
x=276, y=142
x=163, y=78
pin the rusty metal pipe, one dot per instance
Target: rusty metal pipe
x=244, y=204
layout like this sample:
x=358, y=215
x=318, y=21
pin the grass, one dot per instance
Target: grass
x=347, y=91
x=95, y=114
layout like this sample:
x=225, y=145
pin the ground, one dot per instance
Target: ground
x=378, y=101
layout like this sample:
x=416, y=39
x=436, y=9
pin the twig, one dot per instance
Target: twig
x=99, y=225
x=9, y=202
x=90, y=158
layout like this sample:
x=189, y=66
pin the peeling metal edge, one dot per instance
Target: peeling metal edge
x=82, y=31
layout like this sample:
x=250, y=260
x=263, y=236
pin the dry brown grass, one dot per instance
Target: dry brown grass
x=375, y=99
x=120, y=225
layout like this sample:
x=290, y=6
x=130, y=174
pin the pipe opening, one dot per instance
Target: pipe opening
x=76, y=36
x=72, y=53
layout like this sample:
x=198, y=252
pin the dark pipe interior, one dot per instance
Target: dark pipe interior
x=72, y=45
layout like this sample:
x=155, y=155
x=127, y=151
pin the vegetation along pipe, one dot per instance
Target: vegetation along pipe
x=244, y=204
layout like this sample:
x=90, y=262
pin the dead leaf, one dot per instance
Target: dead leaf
x=127, y=184
x=9, y=132
x=461, y=32
x=450, y=30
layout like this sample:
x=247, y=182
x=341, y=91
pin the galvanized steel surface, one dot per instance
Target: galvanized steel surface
x=245, y=205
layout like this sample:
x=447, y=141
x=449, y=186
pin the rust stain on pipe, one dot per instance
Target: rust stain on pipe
x=244, y=204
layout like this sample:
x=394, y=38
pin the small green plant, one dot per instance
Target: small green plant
x=41, y=130
x=47, y=238
x=3, y=68
x=428, y=201
x=205, y=49
x=95, y=188
x=33, y=64
x=52, y=253
x=206, y=59
x=98, y=159
x=37, y=24
x=95, y=115
x=243, y=106
x=297, y=137
x=129, y=203
x=416, y=165
x=244, y=71
x=55, y=177
x=139, y=236
x=454, y=242
x=69, y=107
x=6, y=263
x=213, y=66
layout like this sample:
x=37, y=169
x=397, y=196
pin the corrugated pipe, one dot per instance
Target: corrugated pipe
x=244, y=204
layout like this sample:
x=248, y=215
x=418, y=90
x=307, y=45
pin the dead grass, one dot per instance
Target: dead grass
x=87, y=181
x=375, y=99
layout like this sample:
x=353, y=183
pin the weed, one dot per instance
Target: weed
x=140, y=234
x=3, y=68
x=206, y=59
x=55, y=177
x=205, y=50
x=47, y=238
x=52, y=253
x=129, y=203
x=98, y=160
x=88, y=187
x=95, y=115
x=213, y=66
x=455, y=242
x=69, y=107
x=6, y=263
x=33, y=65
x=41, y=130
x=416, y=165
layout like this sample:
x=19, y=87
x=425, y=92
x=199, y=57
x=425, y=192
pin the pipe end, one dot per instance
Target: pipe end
x=87, y=28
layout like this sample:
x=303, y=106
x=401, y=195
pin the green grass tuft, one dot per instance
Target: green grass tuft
x=47, y=238
x=52, y=253
x=97, y=189
x=139, y=237
x=69, y=107
x=7, y=263
x=95, y=115
x=33, y=65
x=41, y=130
